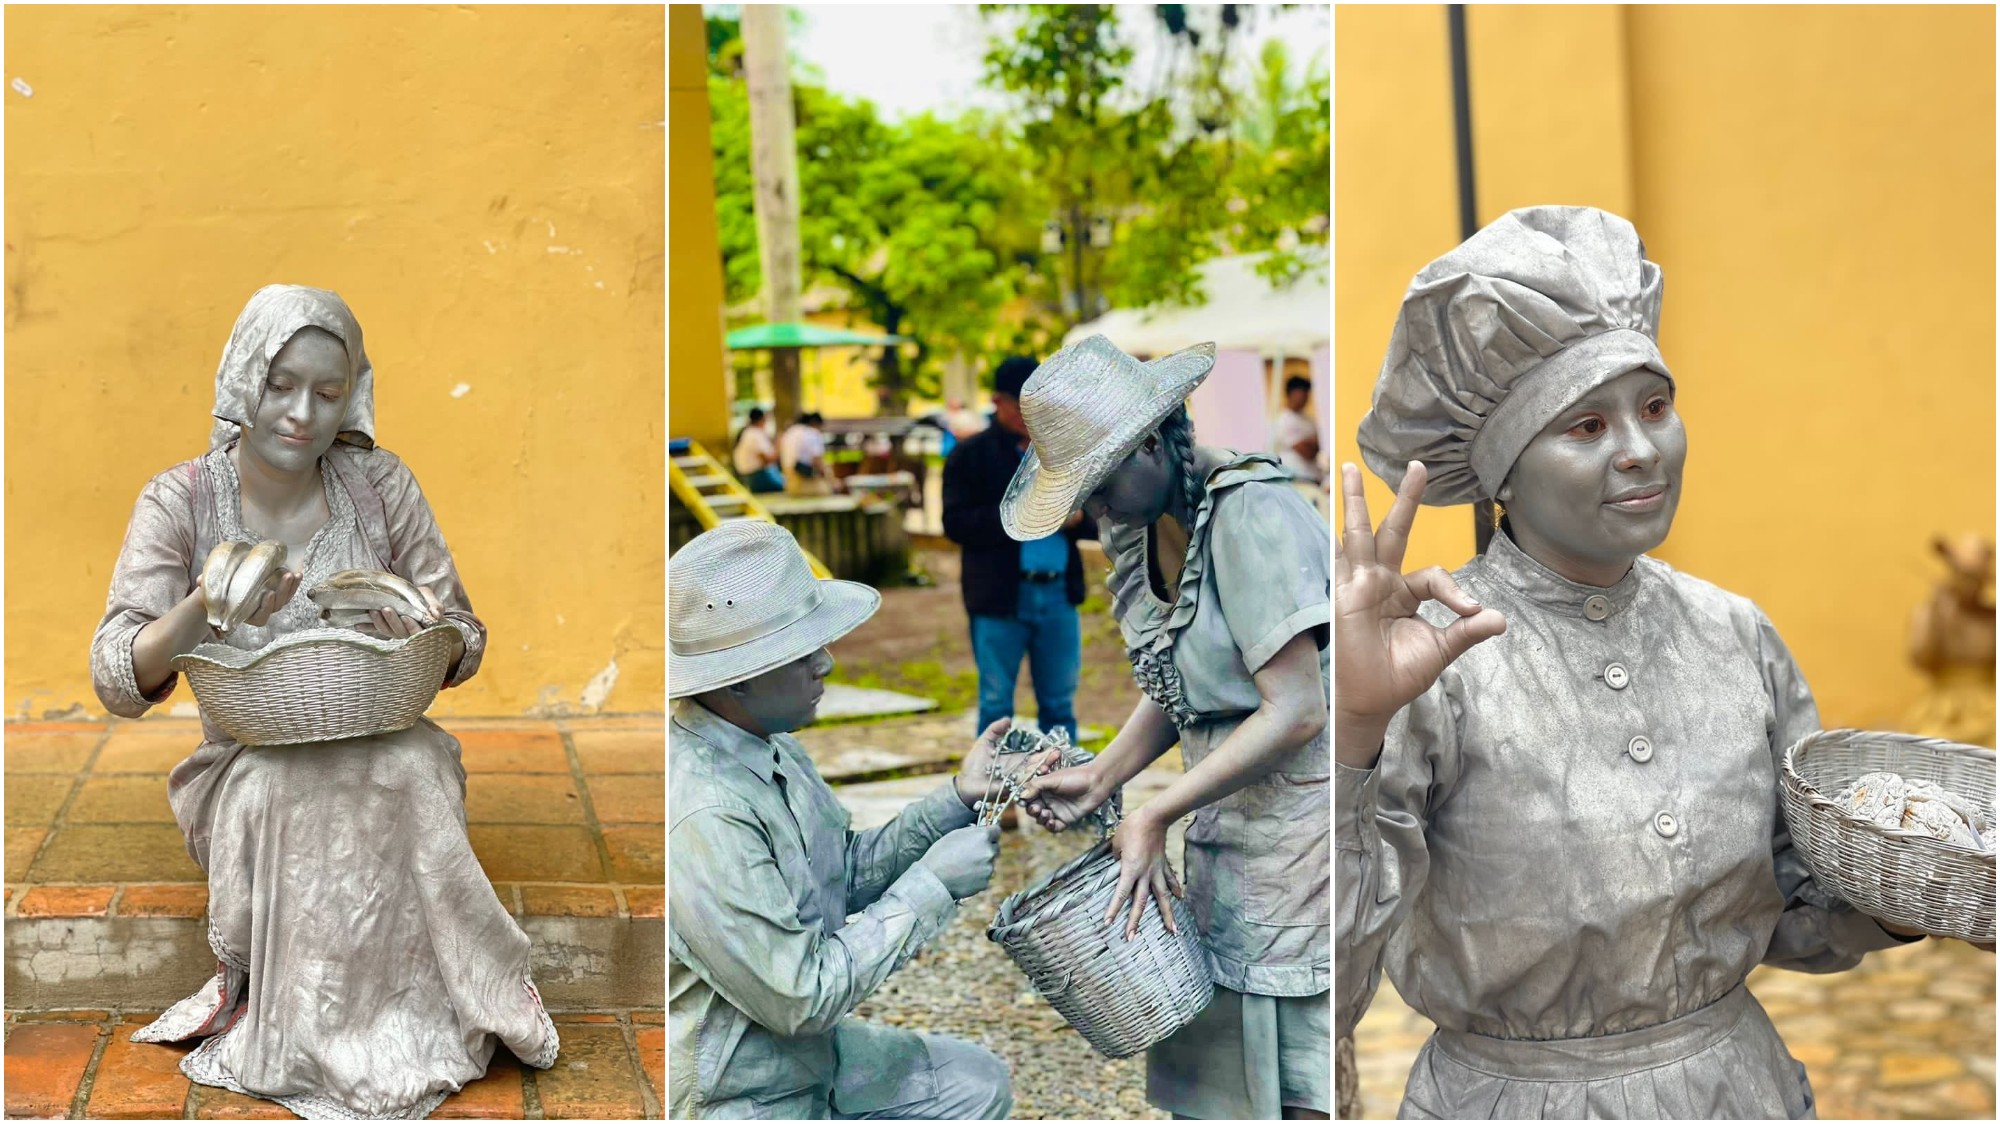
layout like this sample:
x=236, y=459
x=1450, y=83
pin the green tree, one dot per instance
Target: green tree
x=920, y=222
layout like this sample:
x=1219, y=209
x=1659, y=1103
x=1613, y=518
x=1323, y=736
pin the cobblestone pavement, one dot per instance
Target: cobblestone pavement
x=962, y=984
x=1908, y=1035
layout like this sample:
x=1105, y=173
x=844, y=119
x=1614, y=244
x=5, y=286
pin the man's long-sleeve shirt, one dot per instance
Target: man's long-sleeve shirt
x=765, y=960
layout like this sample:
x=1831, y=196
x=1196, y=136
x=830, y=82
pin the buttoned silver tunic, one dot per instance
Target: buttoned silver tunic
x=1256, y=576
x=764, y=962
x=1570, y=856
x=365, y=967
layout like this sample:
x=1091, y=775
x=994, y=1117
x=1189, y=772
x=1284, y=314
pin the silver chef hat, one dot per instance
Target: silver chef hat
x=1503, y=333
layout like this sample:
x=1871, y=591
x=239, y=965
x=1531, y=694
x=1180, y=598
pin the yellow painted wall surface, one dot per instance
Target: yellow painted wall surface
x=1817, y=184
x=699, y=385
x=482, y=184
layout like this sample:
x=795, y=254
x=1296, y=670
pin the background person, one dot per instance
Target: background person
x=1295, y=433
x=802, y=448
x=755, y=457
x=1021, y=597
x=765, y=962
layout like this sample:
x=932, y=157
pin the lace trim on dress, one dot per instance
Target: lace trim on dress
x=545, y=1055
x=203, y=1067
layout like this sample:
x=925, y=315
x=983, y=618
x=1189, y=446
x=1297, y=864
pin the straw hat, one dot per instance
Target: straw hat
x=1086, y=409
x=742, y=601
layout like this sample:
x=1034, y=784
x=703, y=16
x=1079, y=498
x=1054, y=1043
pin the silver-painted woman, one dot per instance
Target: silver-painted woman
x=363, y=965
x=1556, y=799
x=1219, y=578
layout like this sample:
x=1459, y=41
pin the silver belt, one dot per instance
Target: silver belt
x=1601, y=1056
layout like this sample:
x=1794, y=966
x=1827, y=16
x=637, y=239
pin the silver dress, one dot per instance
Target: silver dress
x=1257, y=860
x=365, y=968
x=1570, y=856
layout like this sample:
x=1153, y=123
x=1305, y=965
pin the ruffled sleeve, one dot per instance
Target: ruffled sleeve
x=1268, y=549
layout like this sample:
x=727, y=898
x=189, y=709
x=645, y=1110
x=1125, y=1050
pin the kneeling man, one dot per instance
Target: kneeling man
x=765, y=960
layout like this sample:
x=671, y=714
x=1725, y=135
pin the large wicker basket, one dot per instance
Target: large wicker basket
x=1122, y=995
x=318, y=684
x=1904, y=877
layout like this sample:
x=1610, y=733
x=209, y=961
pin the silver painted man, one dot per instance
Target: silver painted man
x=780, y=918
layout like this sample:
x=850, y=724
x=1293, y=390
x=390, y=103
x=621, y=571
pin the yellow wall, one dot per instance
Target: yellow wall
x=697, y=372
x=482, y=184
x=1817, y=184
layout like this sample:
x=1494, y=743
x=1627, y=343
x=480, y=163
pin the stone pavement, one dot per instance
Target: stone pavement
x=105, y=913
x=962, y=984
x=1908, y=1035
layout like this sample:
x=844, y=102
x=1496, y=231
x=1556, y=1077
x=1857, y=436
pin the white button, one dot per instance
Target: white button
x=1615, y=676
x=1641, y=749
x=1596, y=607
x=1666, y=825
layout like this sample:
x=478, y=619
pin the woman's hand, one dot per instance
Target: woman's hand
x=1388, y=655
x=274, y=600
x=397, y=626
x=1061, y=798
x=975, y=769
x=1141, y=846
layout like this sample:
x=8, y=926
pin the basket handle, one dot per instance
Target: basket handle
x=1050, y=991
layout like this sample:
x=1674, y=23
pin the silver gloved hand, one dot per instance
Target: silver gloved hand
x=963, y=859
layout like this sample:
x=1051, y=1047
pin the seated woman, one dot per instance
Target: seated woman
x=364, y=965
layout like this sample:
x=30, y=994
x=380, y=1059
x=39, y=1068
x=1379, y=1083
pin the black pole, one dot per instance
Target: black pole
x=1468, y=198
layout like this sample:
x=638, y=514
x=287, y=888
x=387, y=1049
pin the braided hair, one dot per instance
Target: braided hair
x=1176, y=432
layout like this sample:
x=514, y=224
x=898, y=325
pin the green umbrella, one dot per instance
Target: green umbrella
x=758, y=336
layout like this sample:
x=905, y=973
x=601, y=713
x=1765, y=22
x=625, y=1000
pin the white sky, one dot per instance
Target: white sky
x=910, y=58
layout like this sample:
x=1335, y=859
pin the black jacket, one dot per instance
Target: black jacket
x=975, y=478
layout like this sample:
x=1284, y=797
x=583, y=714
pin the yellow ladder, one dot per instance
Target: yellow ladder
x=713, y=494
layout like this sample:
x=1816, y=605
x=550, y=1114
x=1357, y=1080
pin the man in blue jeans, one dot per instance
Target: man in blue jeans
x=1022, y=597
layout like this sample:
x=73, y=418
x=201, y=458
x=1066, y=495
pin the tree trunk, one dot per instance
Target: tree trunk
x=774, y=165
x=891, y=400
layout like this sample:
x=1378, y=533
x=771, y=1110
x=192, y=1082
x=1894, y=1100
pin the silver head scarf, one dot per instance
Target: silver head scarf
x=1503, y=333
x=274, y=315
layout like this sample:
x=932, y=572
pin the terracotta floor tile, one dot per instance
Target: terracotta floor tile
x=638, y=854
x=631, y=798
x=592, y=1079
x=33, y=799
x=511, y=750
x=65, y=752
x=534, y=853
x=138, y=1080
x=69, y=1016
x=124, y=853
x=653, y=1057
x=496, y=1096
x=646, y=901
x=140, y=798
x=649, y=1018
x=172, y=899
x=45, y=1064
x=568, y=901
x=515, y=798
x=621, y=751
x=140, y=750
x=65, y=901
x=21, y=845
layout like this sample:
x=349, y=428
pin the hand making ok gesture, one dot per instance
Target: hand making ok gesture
x=1385, y=654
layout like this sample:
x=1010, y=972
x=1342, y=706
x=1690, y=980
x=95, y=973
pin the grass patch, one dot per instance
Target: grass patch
x=929, y=679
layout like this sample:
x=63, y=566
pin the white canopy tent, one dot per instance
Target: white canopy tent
x=1251, y=324
x=1243, y=313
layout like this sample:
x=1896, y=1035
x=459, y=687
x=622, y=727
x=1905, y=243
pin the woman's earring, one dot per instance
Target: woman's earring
x=1499, y=513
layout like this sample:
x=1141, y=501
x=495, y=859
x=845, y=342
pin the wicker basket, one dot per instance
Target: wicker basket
x=1121, y=995
x=1904, y=877
x=318, y=684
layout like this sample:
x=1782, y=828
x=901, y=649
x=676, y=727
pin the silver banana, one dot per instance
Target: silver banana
x=222, y=561
x=371, y=589
x=260, y=572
